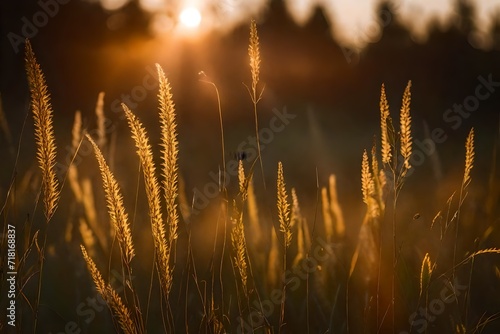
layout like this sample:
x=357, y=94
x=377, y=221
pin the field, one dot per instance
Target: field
x=118, y=228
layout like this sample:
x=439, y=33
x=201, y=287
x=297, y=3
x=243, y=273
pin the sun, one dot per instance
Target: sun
x=190, y=17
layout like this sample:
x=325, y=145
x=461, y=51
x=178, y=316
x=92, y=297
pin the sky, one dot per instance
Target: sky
x=353, y=23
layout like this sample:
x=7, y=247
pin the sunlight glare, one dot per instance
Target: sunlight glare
x=112, y=5
x=152, y=6
x=190, y=17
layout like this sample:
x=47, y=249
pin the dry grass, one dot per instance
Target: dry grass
x=239, y=246
x=101, y=120
x=327, y=217
x=76, y=132
x=367, y=187
x=46, y=154
x=120, y=311
x=335, y=207
x=384, y=118
x=116, y=209
x=253, y=212
x=405, y=127
x=145, y=154
x=425, y=273
x=332, y=283
x=300, y=224
x=469, y=158
x=254, y=54
x=283, y=207
x=238, y=231
x=170, y=153
x=44, y=132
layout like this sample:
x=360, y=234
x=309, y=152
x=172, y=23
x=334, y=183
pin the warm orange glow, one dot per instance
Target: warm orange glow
x=353, y=23
x=113, y=4
x=190, y=17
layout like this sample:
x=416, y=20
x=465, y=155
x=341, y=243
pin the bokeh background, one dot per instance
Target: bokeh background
x=322, y=61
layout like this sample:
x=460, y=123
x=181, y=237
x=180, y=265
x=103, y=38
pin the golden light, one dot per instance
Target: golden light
x=190, y=17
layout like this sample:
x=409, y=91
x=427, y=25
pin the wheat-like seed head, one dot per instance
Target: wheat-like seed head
x=101, y=120
x=298, y=220
x=116, y=209
x=254, y=54
x=239, y=245
x=94, y=272
x=113, y=300
x=367, y=186
x=76, y=132
x=283, y=207
x=327, y=216
x=469, y=158
x=242, y=181
x=44, y=131
x=335, y=207
x=295, y=214
x=153, y=195
x=405, y=127
x=384, y=115
x=170, y=151
x=425, y=272
x=379, y=183
x=485, y=251
x=120, y=311
x=295, y=220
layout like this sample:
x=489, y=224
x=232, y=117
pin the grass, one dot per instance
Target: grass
x=284, y=271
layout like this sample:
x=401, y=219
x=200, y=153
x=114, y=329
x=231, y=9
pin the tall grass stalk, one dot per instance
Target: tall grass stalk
x=254, y=55
x=389, y=152
x=222, y=183
x=46, y=150
x=469, y=163
x=120, y=223
x=116, y=209
x=223, y=190
x=170, y=153
x=161, y=244
x=285, y=227
x=101, y=121
x=108, y=294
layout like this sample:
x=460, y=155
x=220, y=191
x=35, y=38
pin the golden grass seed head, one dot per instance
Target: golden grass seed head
x=116, y=208
x=254, y=54
x=469, y=158
x=44, y=131
x=405, y=127
x=283, y=207
x=170, y=151
x=384, y=116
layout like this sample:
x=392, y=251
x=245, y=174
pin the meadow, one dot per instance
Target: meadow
x=108, y=237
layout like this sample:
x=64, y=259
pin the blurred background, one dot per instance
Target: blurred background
x=323, y=63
